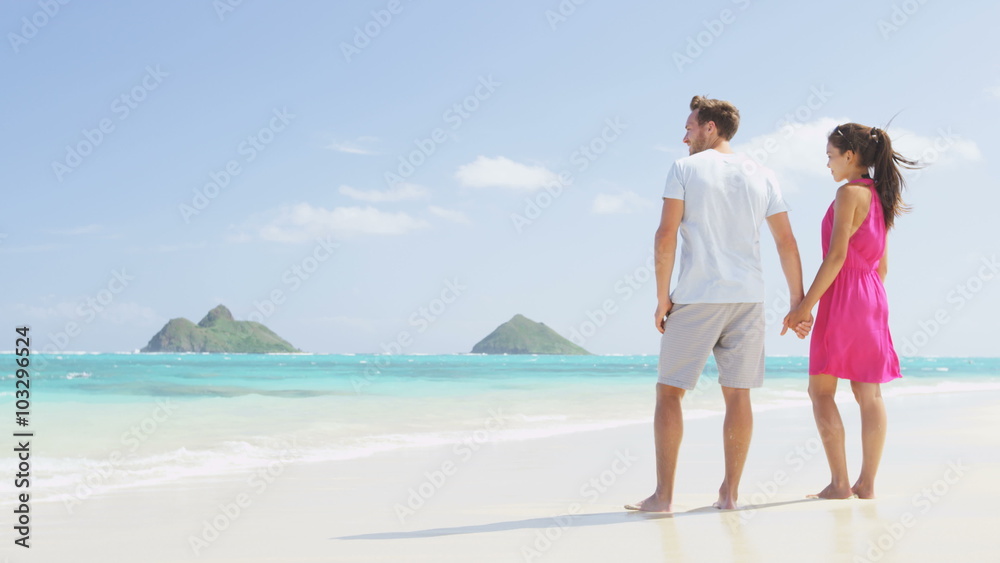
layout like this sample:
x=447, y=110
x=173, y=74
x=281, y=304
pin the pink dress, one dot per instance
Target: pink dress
x=850, y=337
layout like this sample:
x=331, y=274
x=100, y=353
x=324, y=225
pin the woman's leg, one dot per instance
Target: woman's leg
x=873, y=425
x=822, y=389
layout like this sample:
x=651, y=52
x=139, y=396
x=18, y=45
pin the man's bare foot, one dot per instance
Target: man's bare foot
x=834, y=492
x=863, y=490
x=652, y=504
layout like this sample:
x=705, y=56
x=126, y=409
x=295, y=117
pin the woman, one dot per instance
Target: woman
x=850, y=337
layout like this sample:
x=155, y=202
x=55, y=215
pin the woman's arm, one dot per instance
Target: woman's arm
x=883, y=264
x=849, y=199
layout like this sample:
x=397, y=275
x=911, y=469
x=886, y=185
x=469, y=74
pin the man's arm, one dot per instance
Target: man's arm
x=664, y=251
x=788, y=252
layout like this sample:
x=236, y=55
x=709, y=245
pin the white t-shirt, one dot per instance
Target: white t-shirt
x=726, y=199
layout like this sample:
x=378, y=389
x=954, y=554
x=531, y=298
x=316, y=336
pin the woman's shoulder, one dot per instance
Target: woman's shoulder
x=859, y=186
x=855, y=189
x=853, y=193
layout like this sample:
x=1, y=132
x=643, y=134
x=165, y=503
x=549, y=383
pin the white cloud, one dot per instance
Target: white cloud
x=40, y=313
x=30, y=249
x=120, y=313
x=178, y=247
x=799, y=150
x=84, y=230
x=944, y=148
x=994, y=91
x=239, y=237
x=450, y=214
x=794, y=149
x=503, y=172
x=303, y=222
x=358, y=146
x=131, y=313
x=672, y=152
x=624, y=202
x=400, y=192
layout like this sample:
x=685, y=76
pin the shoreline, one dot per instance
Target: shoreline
x=176, y=452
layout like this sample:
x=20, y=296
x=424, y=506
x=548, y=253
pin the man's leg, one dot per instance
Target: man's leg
x=690, y=332
x=739, y=355
x=736, y=432
x=873, y=425
x=668, y=430
x=822, y=389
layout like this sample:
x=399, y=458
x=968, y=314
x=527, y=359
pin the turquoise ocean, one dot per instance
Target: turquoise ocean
x=110, y=422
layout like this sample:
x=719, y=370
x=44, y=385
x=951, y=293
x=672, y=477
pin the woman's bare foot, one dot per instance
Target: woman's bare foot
x=834, y=492
x=652, y=504
x=864, y=490
x=725, y=502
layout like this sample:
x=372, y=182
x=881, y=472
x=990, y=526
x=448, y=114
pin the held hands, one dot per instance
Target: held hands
x=800, y=320
x=662, y=310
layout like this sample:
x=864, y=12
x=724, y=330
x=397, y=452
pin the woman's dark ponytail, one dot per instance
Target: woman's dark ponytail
x=874, y=147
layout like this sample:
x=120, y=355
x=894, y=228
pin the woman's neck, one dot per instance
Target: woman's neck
x=857, y=174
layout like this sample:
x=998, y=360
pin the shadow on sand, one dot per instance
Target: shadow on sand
x=578, y=520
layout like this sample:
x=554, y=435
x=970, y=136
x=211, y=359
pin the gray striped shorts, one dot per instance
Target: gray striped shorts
x=734, y=332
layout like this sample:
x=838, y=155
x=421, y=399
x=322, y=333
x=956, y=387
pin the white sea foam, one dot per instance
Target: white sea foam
x=80, y=478
x=940, y=387
x=541, y=417
x=63, y=479
x=339, y=428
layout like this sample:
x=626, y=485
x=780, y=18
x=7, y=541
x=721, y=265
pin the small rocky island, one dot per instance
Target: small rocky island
x=218, y=333
x=521, y=335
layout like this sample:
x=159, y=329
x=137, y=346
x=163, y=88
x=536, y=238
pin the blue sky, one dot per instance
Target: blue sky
x=405, y=176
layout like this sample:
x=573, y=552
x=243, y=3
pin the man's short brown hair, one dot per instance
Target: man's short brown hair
x=723, y=113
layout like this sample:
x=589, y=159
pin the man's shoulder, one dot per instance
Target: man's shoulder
x=753, y=167
x=712, y=159
x=703, y=156
x=712, y=156
x=698, y=160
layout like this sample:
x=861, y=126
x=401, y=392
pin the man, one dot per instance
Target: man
x=717, y=200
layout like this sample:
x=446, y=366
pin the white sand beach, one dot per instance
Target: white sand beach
x=560, y=499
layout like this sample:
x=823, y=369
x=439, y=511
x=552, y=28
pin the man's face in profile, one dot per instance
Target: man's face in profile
x=697, y=135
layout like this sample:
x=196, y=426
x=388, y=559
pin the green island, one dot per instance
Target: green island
x=521, y=335
x=217, y=333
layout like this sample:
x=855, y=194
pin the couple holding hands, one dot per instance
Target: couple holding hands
x=717, y=200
